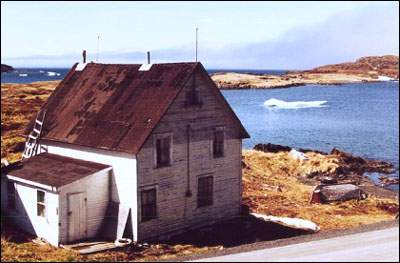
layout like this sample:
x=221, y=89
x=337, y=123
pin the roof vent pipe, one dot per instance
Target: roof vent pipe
x=84, y=56
x=148, y=57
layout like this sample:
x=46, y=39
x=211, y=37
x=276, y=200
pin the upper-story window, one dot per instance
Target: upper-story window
x=163, y=145
x=193, y=95
x=11, y=195
x=218, y=143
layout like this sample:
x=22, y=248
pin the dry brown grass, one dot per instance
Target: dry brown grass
x=271, y=186
x=19, y=104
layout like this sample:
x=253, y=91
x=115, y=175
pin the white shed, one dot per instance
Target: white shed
x=60, y=199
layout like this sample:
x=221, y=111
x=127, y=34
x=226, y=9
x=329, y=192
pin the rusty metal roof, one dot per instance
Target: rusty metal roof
x=55, y=170
x=113, y=106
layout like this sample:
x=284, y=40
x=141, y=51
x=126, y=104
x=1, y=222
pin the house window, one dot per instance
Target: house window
x=41, y=203
x=193, y=97
x=218, y=143
x=205, y=191
x=163, y=151
x=11, y=195
x=149, y=204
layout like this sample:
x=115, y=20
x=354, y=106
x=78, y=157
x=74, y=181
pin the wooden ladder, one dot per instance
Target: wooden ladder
x=31, y=144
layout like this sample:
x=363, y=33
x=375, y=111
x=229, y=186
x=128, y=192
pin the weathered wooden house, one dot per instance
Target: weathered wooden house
x=139, y=151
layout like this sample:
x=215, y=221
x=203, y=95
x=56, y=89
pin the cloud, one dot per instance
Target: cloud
x=371, y=30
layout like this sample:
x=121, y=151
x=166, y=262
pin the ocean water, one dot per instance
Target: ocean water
x=28, y=75
x=362, y=119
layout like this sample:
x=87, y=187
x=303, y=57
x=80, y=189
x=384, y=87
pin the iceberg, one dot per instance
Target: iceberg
x=275, y=103
x=51, y=74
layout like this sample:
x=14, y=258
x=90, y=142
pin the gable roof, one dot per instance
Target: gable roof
x=54, y=170
x=113, y=106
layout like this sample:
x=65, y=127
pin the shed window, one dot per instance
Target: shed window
x=163, y=151
x=149, y=204
x=11, y=195
x=218, y=143
x=41, y=203
x=205, y=191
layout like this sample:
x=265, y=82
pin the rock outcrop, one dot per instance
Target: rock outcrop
x=339, y=166
x=373, y=66
x=6, y=68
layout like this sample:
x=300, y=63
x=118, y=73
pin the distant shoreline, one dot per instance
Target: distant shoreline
x=229, y=80
x=365, y=69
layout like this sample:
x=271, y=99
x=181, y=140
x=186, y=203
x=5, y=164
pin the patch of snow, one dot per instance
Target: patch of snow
x=298, y=155
x=290, y=222
x=145, y=67
x=384, y=78
x=80, y=66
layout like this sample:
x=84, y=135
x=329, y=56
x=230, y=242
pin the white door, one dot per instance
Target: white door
x=76, y=216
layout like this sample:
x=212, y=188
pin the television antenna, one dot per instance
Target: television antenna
x=98, y=48
x=197, y=44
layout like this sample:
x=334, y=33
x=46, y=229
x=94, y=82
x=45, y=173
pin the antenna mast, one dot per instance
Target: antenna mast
x=98, y=44
x=197, y=32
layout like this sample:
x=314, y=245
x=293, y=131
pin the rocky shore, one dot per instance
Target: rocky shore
x=366, y=69
x=337, y=166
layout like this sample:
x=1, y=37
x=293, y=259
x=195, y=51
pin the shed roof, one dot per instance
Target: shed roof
x=55, y=170
x=114, y=106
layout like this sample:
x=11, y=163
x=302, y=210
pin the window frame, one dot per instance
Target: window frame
x=163, y=136
x=209, y=199
x=193, y=95
x=155, y=209
x=213, y=137
x=39, y=203
x=11, y=196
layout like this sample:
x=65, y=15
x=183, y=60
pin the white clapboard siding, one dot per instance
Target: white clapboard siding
x=25, y=213
x=96, y=188
x=175, y=211
x=123, y=189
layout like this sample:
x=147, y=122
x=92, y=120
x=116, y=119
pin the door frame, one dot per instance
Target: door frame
x=68, y=218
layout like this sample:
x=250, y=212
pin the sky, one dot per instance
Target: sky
x=242, y=35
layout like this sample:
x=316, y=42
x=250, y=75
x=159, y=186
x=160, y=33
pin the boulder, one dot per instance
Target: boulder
x=340, y=192
x=272, y=148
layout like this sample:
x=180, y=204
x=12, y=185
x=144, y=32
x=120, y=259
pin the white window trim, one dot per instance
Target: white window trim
x=42, y=203
x=171, y=149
